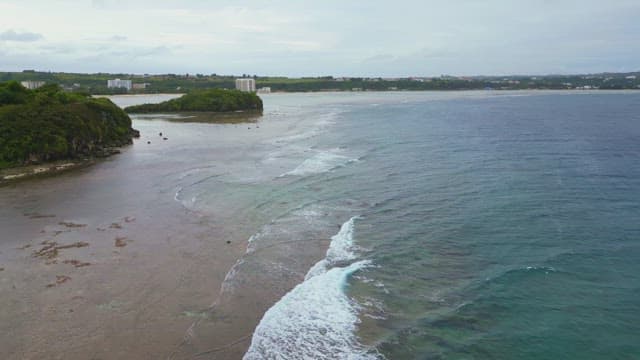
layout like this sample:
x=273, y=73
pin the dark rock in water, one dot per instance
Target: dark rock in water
x=148, y=142
x=121, y=241
x=165, y=139
x=160, y=134
x=228, y=241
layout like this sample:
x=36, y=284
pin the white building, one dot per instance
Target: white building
x=247, y=85
x=264, y=90
x=32, y=84
x=117, y=83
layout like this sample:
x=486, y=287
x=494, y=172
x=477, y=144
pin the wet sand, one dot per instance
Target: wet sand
x=104, y=263
x=97, y=267
x=112, y=286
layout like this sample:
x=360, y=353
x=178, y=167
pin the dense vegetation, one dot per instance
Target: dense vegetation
x=181, y=83
x=50, y=124
x=212, y=100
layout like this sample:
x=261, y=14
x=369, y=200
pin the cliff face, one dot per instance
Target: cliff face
x=213, y=100
x=48, y=124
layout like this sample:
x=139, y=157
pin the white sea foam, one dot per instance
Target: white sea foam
x=188, y=204
x=297, y=137
x=340, y=250
x=315, y=320
x=321, y=162
x=321, y=122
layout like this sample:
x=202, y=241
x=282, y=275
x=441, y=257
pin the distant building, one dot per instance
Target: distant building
x=264, y=90
x=247, y=85
x=32, y=84
x=117, y=83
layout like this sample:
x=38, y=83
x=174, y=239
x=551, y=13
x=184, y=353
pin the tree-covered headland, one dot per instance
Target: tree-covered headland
x=211, y=100
x=49, y=124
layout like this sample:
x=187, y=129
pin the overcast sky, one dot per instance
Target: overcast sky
x=321, y=37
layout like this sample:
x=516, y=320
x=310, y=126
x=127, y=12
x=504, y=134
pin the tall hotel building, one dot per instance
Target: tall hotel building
x=247, y=85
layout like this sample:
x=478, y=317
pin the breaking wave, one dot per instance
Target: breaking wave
x=319, y=163
x=316, y=320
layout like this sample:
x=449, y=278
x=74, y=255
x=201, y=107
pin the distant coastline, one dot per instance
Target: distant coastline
x=97, y=84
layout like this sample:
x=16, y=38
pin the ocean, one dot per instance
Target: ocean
x=399, y=225
x=360, y=225
x=473, y=225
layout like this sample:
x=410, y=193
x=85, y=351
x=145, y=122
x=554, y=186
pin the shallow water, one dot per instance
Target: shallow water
x=361, y=225
x=160, y=226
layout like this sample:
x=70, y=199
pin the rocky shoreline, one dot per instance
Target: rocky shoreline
x=15, y=174
x=48, y=125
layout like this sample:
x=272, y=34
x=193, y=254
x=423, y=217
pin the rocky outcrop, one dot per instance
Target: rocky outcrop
x=48, y=124
x=212, y=100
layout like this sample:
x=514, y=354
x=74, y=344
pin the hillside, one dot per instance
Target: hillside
x=49, y=124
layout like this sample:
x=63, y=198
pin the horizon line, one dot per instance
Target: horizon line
x=326, y=75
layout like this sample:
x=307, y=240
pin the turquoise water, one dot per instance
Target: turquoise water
x=487, y=226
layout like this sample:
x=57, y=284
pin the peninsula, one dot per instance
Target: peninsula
x=211, y=100
x=48, y=124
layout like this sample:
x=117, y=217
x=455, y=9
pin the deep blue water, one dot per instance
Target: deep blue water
x=499, y=226
x=504, y=227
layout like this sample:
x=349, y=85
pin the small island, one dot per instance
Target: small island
x=211, y=101
x=47, y=124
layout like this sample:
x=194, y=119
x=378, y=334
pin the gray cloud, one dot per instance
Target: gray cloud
x=11, y=35
x=329, y=37
x=380, y=58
